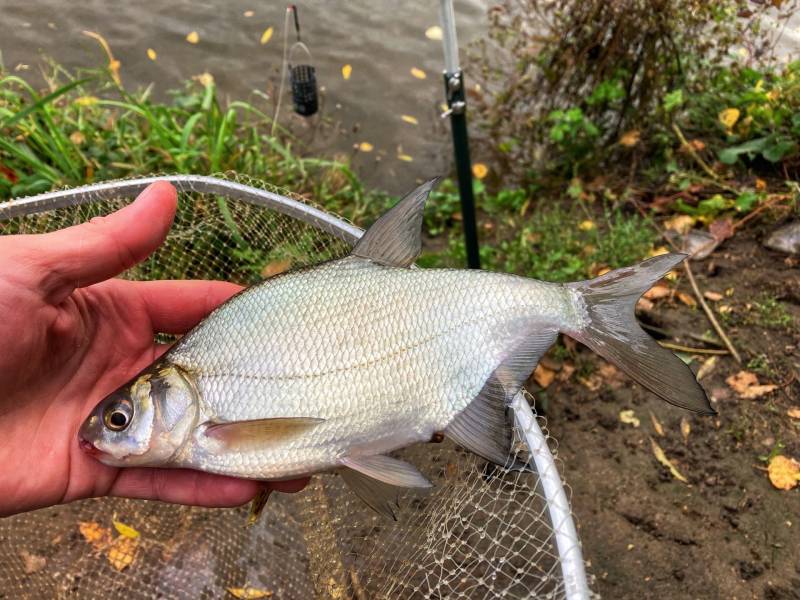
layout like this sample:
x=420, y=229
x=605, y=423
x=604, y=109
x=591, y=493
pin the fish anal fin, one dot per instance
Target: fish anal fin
x=259, y=433
x=395, y=239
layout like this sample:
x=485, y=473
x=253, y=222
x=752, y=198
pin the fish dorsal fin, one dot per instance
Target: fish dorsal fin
x=395, y=239
x=486, y=425
x=259, y=433
x=378, y=480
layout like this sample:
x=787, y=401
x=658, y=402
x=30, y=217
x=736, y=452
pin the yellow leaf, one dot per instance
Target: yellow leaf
x=630, y=138
x=761, y=185
x=405, y=157
x=151, y=54
x=266, y=36
x=629, y=418
x=773, y=95
x=122, y=552
x=249, y=593
x=794, y=412
x=418, y=73
x=657, y=292
x=193, y=37
x=686, y=429
x=276, y=267
x=586, y=225
x=662, y=458
x=686, y=299
x=86, y=100
x=204, y=79
x=746, y=385
x=480, y=170
x=658, y=251
x=713, y=296
x=125, y=530
x=729, y=116
x=409, y=119
x=706, y=367
x=784, y=472
x=680, y=223
x=759, y=87
x=365, y=147
x=434, y=33
x=113, y=64
x=543, y=376
x=248, y=13
x=93, y=533
x=346, y=71
x=657, y=425
x=77, y=138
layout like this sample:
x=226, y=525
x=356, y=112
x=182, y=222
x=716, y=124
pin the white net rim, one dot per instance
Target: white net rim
x=567, y=542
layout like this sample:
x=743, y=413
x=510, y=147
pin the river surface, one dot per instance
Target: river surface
x=382, y=41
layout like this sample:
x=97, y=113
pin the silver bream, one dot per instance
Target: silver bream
x=334, y=366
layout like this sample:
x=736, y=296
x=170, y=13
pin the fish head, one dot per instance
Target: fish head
x=145, y=422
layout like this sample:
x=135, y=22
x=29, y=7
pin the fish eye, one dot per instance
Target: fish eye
x=118, y=416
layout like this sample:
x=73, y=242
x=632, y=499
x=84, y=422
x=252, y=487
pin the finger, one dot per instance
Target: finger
x=290, y=486
x=184, y=486
x=177, y=306
x=105, y=246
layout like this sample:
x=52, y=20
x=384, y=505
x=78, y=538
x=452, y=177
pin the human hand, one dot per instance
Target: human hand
x=71, y=335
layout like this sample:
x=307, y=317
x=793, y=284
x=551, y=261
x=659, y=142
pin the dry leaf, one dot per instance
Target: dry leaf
x=721, y=229
x=480, y=170
x=657, y=425
x=347, y=70
x=713, y=296
x=686, y=429
x=629, y=418
x=746, y=385
x=266, y=36
x=122, y=552
x=630, y=138
x=686, y=299
x=204, y=79
x=405, y=157
x=249, y=593
x=644, y=305
x=592, y=383
x=794, y=412
x=662, y=458
x=543, y=376
x=567, y=369
x=248, y=13
x=697, y=145
x=276, y=267
x=680, y=223
x=761, y=185
x=151, y=54
x=193, y=37
x=706, y=367
x=784, y=472
x=586, y=225
x=92, y=532
x=729, y=116
x=31, y=562
x=409, y=119
x=125, y=530
x=657, y=292
x=77, y=138
x=658, y=251
x=418, y=73
x=365, y=147
x=434, y=33
x=113, y=63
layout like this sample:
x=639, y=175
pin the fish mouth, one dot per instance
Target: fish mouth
x=88, y=447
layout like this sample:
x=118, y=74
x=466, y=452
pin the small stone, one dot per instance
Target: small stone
x=785, y=239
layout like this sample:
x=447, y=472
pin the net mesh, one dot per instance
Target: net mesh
x=483, y=532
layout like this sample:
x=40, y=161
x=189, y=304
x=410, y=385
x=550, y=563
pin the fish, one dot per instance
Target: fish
x=335, y=366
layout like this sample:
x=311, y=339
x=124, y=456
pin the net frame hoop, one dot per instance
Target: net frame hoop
x=567, y=542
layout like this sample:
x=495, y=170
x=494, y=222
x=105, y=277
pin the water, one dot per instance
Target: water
x=382, y=41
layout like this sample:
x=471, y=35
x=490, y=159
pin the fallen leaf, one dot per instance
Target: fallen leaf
x=794, y=412
x=151, y=54
x=662, y=458
x=249, y=593
x=586, y=225
x=418, y=73
x=543, y=376
x=192, y=37
x=729, y=116
x=86, y=100
x=567, y=369
x=480, y=170
x=784, y=472
x=746, y=385
x=77, y=138
x=347, y=70
x=248, y=13
x=686, y=429
x=644, y=305
x=713, y=296
x=409, y=119
x=92, y=532
x=657, y=425
x=658, y=251
x=680, y=223
x=629, y=418
x=630, y=138
x=266, y=36
x=276, y=267
x=365, y=147
x=592, y=383
x=122, y=552
x=31, y=562
x=657, y=292
x=434, y=33
x=686, y=299
x=405, y=157
x=697, y=145
x=204, y=79
x=125, y=530
x=761, y=185
x=706, y=367
x=721, y=229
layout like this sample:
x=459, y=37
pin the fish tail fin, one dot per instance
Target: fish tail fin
x=610, y=329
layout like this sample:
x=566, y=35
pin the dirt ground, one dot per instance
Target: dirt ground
x=727, y=533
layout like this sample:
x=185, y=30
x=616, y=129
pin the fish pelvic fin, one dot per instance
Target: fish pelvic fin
x=378, y=480
x=486, y=426
x=612, y=331
x=395, y=239
x=259, y=433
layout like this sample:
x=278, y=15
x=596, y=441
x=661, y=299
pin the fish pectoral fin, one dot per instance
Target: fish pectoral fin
x=395, y=239
x=378, y=480
x=243, y=435
x=486, y=426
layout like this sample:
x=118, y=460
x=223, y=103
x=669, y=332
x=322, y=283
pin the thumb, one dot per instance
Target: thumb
x=84, y=254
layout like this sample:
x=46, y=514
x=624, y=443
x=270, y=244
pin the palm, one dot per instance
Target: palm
x=66, y=348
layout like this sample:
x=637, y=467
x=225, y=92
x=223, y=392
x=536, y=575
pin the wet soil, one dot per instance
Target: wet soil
x=728, y=533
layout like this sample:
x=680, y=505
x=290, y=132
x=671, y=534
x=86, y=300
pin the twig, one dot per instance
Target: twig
x=693, y=336
x=768, y=204
x=703, y=164
x=689, y=350
x=713, y=320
